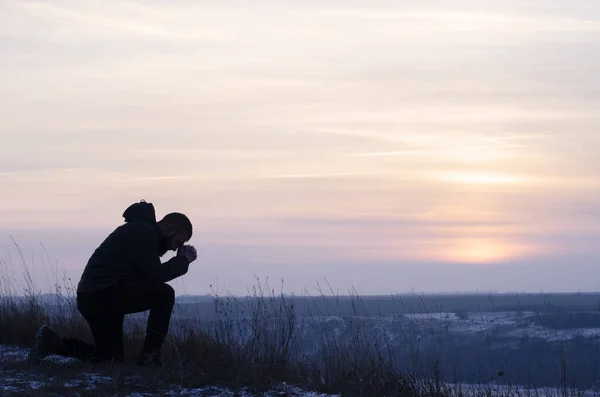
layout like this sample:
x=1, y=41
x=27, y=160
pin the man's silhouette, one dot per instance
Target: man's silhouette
x=123, y=276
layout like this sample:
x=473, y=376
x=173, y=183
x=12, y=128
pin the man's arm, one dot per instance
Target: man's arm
x=143, y=252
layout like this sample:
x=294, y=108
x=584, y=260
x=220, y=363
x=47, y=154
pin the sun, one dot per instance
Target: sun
x=480, y=251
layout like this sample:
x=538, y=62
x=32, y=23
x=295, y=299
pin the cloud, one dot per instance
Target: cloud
x=395, y=153
x=475, y=21
x=400, y=224
x=312, y=176
x=96, y=19
x=357, y=134
x=484, y=178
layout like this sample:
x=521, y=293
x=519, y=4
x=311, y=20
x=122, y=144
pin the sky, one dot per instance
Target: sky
x=384, y=146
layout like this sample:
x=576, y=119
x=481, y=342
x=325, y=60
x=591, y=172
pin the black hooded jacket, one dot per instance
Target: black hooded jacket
x=131, y=253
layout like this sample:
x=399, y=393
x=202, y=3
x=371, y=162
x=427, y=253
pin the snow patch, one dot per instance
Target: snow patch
x=13, y=353
x=36, y=384
x=441, y=316
x=62, y=361
x=90, y=381
x=560, y=335
x=282, y=390
x=485, y=389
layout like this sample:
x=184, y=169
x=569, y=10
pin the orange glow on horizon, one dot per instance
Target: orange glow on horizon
x=478, y=250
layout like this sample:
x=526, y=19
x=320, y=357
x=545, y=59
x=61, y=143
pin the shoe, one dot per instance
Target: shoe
x=150, y=358
x=46, y=342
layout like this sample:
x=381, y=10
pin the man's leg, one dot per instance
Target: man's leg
x=78, y=349
x=48, y=342
x=105, y=317
x=105, y=314
x=161, y=304
x=159, y=299
x=107, y=329
x=105, y=324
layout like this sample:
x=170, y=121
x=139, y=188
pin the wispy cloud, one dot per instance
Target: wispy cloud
x=314, y=176
x=392, y=131
x=455, y=153
x=484, y=178
x=114, y=19
x=394, y=153
x=476, y=20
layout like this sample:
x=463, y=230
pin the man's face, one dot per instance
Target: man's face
x=174, y=238
x=177, y=240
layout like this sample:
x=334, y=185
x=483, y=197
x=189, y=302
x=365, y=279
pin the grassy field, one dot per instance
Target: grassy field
x=253, y=343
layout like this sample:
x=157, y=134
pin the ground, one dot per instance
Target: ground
x=58, y=376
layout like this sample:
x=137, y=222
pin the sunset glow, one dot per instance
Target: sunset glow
x=482, y=251
x=363, y=142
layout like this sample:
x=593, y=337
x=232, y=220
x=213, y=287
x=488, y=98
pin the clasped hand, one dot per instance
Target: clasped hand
x=189, y=252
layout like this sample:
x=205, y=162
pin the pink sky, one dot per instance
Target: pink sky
x=390, y=146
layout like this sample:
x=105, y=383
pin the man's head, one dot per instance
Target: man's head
x=177, y=229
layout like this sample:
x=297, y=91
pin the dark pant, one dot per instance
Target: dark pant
x=105, y=312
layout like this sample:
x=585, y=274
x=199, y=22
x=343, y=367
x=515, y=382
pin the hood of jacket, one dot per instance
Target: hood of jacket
x=140, y=212
x=144, y=212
